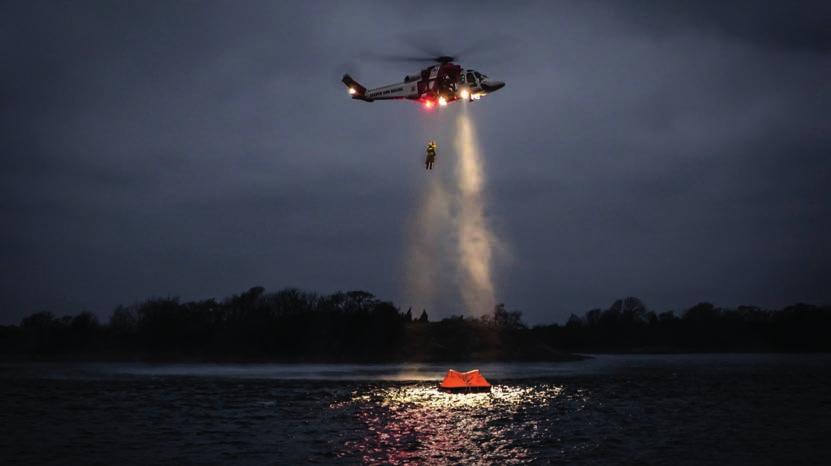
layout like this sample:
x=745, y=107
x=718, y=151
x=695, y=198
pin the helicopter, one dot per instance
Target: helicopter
x=436, y=85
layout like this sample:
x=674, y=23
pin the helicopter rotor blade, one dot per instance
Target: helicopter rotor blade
x=423, y=42
x=494, y=44
x=400, y=58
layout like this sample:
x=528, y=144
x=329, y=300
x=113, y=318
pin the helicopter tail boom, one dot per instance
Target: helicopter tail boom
x=355, y=89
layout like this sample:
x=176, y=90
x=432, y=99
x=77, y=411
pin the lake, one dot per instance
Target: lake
x=645, y=409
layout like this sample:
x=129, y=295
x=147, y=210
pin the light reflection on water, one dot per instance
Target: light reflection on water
x=419, y=423
x=651, y=409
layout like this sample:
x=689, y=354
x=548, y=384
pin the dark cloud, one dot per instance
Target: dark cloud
x=802, y=27
x=677, y=151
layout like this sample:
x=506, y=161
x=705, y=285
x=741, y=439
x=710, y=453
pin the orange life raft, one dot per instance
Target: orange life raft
x=470, y=381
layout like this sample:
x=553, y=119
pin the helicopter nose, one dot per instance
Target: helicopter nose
x=491, y=85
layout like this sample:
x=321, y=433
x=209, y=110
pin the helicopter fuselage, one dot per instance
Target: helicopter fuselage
x=434, y=85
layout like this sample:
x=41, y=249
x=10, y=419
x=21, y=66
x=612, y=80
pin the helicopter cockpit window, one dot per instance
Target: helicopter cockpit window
x=470, y=78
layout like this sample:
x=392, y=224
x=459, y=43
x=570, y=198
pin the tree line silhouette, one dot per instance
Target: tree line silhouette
x=628, y=326
x=292, y=325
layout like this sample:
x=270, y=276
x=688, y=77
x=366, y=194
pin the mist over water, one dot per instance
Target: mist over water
x=450, y=246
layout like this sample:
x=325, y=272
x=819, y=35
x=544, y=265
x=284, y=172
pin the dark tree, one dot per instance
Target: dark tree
x=356, y=326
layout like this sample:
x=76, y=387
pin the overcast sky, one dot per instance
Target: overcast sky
x=195, y=149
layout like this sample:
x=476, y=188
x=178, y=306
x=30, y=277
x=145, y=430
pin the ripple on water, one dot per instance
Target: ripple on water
x=420, y=423
x=760, y=411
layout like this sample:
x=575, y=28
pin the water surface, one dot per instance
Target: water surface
x=687, y=409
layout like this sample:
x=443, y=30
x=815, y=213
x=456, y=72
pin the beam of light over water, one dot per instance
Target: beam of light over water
x=476, y=241
x=450, y=245
x=426, y=245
